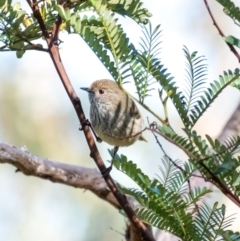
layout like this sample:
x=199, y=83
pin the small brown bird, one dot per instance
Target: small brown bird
x=113, y=114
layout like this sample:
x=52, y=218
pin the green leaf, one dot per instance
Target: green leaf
x=130, y=8
x=196, y=76
x=237, y=181
x=61, y=11
x=142, y=61
x=230, y=9
x=211, y=93
x=226, y=166
x=17, y=45
x=233, y=41
x=16, y=6
x=2, y=3
x=20, y=53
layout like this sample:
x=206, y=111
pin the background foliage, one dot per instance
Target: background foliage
x=143, y=63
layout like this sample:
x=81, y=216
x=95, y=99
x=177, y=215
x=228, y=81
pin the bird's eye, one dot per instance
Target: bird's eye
x=101, y=91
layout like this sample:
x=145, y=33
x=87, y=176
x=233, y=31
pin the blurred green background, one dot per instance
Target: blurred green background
x=35, y=112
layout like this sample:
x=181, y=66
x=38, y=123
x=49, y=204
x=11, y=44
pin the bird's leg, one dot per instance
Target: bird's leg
x=108, y=170
x=86, y=122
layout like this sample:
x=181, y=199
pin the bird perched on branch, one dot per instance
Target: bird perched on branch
x=113, y=114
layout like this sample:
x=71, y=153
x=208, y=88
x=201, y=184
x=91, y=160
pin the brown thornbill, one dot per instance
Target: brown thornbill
x=113, y=114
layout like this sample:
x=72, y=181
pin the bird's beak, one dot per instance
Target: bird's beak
x=86, y=89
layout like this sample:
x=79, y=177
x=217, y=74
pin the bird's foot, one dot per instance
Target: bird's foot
x=107, y=171
x=86, y=122
x=99, y=140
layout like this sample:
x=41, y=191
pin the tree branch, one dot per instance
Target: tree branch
x=71, y=175
x=220, y=31
x=232, y=127
x=55, y=56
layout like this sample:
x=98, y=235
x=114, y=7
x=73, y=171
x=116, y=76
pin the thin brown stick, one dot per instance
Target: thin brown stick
x=168, y=157
x=94, y=153
x=187, y=174
x=221, y=32
x=34, y=46
x=173, y=162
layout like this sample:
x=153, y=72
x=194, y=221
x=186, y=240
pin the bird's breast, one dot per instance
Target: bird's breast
x=115, y=125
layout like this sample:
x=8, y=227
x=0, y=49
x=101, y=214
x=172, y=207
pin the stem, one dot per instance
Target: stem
x=165, y=110
x=220, y=31
x=146, y=108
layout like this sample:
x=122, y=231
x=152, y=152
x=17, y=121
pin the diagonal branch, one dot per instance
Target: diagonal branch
x=220, y=31
x=51, y=40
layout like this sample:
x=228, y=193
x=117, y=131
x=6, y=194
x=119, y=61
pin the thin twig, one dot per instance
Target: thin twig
x=146, y=108
x=12, y=49
x=212, y=177
x=94, y=153
x=236, y=23
x=186, y=174
x=34, y=46
x=153, y=129
x=173, y=162
x=221, y=32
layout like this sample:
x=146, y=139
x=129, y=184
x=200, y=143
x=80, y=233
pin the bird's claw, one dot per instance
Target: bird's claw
x=86, y=122
x=107, y=171
x=153, y=125
x=99, y=140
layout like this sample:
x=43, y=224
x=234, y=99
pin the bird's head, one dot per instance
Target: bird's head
x=104, y=91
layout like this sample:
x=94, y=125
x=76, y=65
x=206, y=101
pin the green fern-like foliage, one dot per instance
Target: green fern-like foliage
x=234, y=13
x=104, y=35
x=192, y=102
x=195, y=79
x=114, y=38
x=149, y=50
x=212, y=92
x=92, y=31
x=215, y=214
x=130, y=8
x=198, y=97
x=17, y=29
x=148, y=68
x=220, y=166
x=168, y=204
